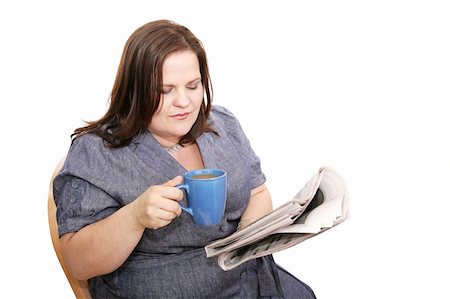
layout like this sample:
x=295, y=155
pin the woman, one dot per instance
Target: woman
x=119, y=220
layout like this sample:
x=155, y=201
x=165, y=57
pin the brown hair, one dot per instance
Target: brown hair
x=136, y=94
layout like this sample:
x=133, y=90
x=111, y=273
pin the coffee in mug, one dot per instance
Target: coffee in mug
x=203, y=176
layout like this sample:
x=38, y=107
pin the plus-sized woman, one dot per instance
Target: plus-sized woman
x=119, y=219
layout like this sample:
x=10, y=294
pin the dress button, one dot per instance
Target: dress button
x=73, y=199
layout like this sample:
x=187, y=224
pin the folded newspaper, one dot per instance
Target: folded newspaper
x=321, y=204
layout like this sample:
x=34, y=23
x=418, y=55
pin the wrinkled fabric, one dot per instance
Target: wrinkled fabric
x=169, y=262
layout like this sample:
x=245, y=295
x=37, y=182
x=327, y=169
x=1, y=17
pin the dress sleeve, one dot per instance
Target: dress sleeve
x=230, y=126
x=79, y=201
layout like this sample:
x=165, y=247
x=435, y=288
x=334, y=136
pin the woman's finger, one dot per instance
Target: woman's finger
x=166, y=215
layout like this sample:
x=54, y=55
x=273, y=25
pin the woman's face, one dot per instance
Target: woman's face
x=181, y=98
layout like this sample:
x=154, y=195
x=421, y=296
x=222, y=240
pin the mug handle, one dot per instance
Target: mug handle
x=186, y=188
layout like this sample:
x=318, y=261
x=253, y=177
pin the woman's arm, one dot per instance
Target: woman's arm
x=103, y=246
x=260, y=204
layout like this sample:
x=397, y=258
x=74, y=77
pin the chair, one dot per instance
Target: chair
x=79, y=287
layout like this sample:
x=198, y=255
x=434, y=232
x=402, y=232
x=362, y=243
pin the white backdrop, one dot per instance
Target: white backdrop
x=360, y=86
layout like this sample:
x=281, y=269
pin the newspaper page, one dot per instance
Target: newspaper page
x=325, y=205
x=278, y=218
x=329, y=206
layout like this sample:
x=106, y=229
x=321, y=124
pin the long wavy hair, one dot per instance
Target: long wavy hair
x=136, y=94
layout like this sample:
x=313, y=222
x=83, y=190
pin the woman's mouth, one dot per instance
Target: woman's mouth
x=180, y=116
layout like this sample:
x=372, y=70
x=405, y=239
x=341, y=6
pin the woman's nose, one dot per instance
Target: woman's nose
x=182, y=99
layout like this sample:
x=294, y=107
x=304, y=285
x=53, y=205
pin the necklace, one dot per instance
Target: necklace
x=174, y=148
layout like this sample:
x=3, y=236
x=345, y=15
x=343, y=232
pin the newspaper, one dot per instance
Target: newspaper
x=321, y=204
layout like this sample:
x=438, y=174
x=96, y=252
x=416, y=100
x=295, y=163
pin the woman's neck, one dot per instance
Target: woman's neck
x=166, y=142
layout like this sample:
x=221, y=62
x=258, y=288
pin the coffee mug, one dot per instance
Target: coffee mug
x=206, y=194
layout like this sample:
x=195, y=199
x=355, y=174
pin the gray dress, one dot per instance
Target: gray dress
x=169, y=262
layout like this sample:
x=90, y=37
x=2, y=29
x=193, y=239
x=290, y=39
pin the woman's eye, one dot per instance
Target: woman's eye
x=193, y=87
x=166, y=90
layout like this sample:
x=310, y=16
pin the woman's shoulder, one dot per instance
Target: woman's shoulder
x=87, y=150
x=87, y=143
x=226, y=124
x=222, y=117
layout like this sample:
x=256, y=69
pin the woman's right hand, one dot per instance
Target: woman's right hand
x=158, y=205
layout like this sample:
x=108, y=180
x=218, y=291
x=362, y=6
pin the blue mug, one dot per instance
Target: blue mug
x=206, y=194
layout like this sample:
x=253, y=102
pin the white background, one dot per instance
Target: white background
x=361, y=86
